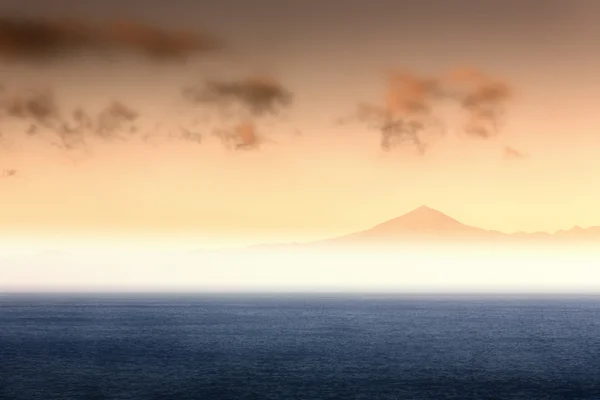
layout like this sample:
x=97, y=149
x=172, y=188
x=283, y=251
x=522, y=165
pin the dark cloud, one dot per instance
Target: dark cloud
x=483, y=98
x=114, y=119
x=41, y=112
x=45, y=39
x=407, y=114
x=247, y=101
x=72, y=134
x=259, y=96
x=40, y=109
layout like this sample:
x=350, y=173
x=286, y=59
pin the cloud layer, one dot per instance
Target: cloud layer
x=45, y=39
x=405, y=115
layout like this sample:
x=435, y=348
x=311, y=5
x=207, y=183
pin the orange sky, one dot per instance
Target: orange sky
x=331, y=179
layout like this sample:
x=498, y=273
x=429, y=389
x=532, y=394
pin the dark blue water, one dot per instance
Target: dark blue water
x=298, y=347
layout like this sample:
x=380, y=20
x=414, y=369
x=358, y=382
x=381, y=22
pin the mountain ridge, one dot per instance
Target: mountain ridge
x=425, y=224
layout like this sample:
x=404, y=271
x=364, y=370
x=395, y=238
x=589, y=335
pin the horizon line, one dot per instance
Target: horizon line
x=305, y=292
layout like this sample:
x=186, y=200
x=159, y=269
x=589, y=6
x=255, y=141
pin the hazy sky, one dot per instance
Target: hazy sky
x=319, y=178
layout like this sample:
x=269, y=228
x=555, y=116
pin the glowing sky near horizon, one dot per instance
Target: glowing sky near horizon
x=331, y=179
x=443, y=269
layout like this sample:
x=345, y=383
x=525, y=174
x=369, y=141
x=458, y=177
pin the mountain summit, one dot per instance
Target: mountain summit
x=421, y=219
x=418, y=223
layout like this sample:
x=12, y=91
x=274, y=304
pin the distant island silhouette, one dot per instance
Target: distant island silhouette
x=425, y=224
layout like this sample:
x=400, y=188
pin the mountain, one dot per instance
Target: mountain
x=420, y=224
x=422, y=219
x=425, y=224
x=578, y=232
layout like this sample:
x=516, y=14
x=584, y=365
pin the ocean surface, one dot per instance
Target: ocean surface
x=264, y=347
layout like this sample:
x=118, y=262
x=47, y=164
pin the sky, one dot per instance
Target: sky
x=306, y=165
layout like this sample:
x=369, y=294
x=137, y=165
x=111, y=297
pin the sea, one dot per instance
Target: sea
x=298, y=346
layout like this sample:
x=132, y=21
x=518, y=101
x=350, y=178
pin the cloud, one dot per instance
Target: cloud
x=73, y=135
x=258, y=95
x=110, y=123
x=407, y=114
x=36, y=108
x=483, y=98
x=191, y=135
x=40, y=109
x=510, y=153
x=246, y=103
x=46, y=39
x=409, y=94
x=8, y=173
x=40, y=114
x=113, y=119
x=247, y=100
x=39, y=106
x=243, y=136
